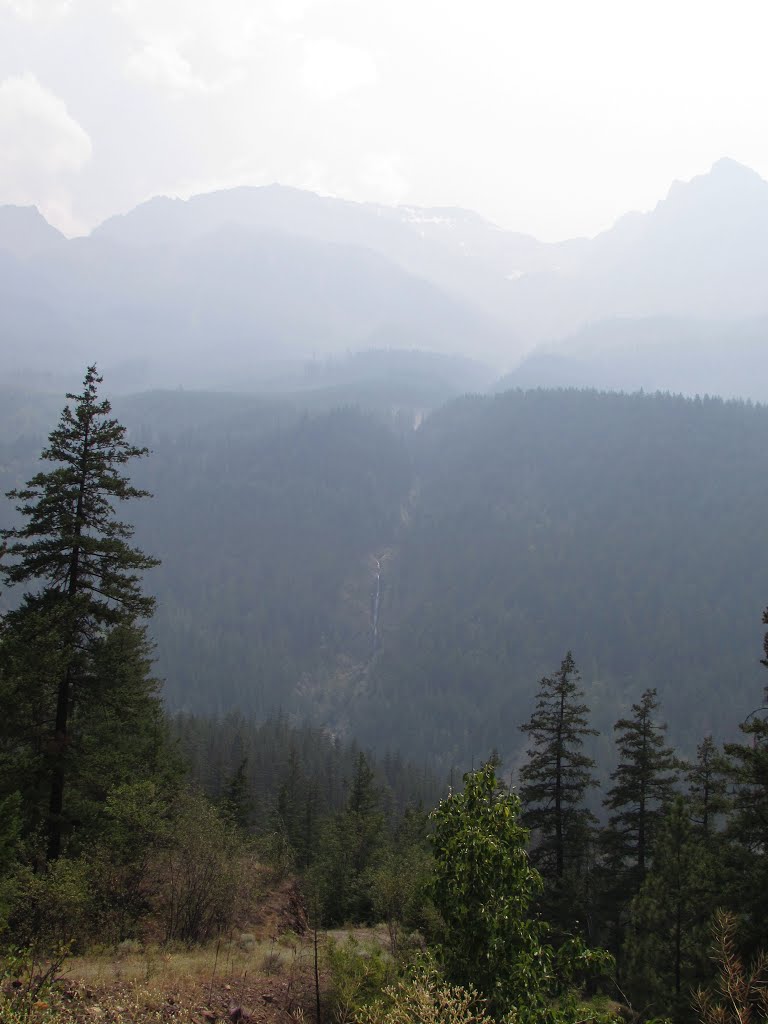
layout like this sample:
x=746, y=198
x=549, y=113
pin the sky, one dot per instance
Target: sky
x=550, y=117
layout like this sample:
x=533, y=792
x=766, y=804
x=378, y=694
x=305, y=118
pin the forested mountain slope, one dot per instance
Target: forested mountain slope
x=624, y=527
x=410, y=587
x=264, y=537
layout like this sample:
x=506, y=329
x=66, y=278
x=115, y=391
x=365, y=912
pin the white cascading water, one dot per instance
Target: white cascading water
x=376, y=598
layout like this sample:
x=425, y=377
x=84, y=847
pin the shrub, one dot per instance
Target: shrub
x=358, y=975
x=426, y=998
x=201, y=872
x=54, y=908
x=483, y=886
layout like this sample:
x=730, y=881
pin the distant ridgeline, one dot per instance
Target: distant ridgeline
x=409, y=588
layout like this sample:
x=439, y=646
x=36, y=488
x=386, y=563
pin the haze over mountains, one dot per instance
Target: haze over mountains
x=321, y=555
x=241, y=288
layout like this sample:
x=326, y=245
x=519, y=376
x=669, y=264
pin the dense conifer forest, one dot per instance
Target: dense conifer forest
x=501, y=531
x=406, y=585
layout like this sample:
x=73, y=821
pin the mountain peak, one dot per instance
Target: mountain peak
x=727, y=168
x=725, y=175
x=25, y=232
x=728, y=192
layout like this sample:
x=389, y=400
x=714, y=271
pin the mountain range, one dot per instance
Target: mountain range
x=240, y=288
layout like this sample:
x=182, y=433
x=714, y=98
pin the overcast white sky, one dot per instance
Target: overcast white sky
x=547, y=116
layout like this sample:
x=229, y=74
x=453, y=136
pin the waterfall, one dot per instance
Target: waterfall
x=375, y=605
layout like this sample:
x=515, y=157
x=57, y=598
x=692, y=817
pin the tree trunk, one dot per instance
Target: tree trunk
x=64, y=696
x=56, y=802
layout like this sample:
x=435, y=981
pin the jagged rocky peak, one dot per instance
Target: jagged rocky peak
x=726, y=181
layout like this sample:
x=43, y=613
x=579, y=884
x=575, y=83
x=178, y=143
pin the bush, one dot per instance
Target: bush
x=483, y=887
x=398, y=890
x=276, y=852
x=426, y=998
x=53, y=909
x=358, y=975
x=25, y=985
x=10, y=827
x=201, y=872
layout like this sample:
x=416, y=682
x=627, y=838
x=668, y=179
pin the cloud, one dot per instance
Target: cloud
x=195, y=32
x=542, y=116
x=42, y=145
x=187, y=50
x=37, y=10
x=331, y=69
x=161, y=65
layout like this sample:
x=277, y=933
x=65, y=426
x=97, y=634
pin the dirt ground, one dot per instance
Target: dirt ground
x=261, y=972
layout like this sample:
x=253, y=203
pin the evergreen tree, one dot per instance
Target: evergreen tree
x=296, y=810
x=740, y=992
x=58, y=646
x=553, y=786
x=237, y=802
x=119, y=733
x=643, y=786
x=747, y=827
x=667, y=942
x=707, y=788
x=352, y=845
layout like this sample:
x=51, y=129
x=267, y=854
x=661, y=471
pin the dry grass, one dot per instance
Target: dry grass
x=260, y=972
x=376, y=937
x=229, y=957
x=225, y=980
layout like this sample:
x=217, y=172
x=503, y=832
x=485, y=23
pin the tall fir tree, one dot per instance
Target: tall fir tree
x=352, y=845
x=553, y=788
x=237, y=800
x=643, y=785
x=85, y=607
x=708, y=789
x=296, y=809
x=666, y=949
x=747, y=827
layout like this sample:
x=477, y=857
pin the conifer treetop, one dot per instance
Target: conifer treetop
x=71, y=540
